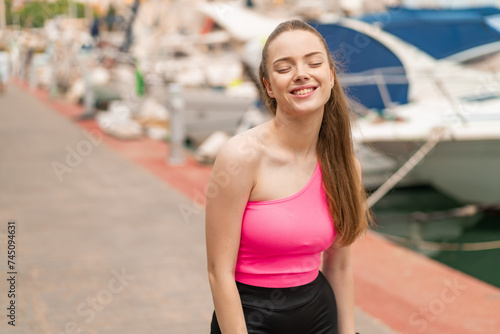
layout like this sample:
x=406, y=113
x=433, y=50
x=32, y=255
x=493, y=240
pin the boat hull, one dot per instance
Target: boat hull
x=467, y=170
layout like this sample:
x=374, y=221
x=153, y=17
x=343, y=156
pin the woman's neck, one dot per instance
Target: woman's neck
x=297, y=134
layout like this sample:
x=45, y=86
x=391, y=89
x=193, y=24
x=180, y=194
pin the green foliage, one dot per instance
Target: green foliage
x=8, y=12
x=34, y=14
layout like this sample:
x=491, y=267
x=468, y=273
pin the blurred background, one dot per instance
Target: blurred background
x=167, y=82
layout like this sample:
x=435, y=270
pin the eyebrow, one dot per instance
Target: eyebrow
x=306, y=56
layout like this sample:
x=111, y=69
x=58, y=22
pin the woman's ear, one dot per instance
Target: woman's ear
x=268, y=88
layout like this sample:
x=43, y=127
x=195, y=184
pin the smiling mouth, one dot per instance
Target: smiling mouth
x=303, y=91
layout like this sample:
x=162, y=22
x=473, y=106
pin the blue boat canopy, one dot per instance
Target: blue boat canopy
x=373, y=75
x=441, y=33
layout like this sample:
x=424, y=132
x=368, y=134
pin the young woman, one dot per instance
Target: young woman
x=286, y=198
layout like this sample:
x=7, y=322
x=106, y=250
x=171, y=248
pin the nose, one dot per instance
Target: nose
x=301, y=73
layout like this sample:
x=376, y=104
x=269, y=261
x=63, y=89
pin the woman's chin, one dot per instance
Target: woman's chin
x=306, y=109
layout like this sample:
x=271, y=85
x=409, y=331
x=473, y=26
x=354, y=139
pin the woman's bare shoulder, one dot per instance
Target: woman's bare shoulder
x=237, y=163
x=246, y=148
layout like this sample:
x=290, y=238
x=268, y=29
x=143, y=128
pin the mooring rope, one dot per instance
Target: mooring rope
x=407, y=167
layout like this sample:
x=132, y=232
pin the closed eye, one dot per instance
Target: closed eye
x=283, y=70
x=316, y=64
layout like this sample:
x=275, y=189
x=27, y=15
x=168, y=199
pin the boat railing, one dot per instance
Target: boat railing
x=451, y=100
x=488, y=88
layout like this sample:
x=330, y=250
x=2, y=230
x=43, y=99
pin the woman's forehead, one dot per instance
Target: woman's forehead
x=295, y=43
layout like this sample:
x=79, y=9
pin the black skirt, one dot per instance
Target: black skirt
x=305, y=309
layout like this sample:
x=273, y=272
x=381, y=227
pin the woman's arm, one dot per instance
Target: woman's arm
x=337, y=270
x=228, y=192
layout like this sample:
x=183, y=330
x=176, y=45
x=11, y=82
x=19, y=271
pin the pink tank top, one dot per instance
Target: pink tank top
x=282, y=239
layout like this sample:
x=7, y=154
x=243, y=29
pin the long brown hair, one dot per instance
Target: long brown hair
x=345, y=194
